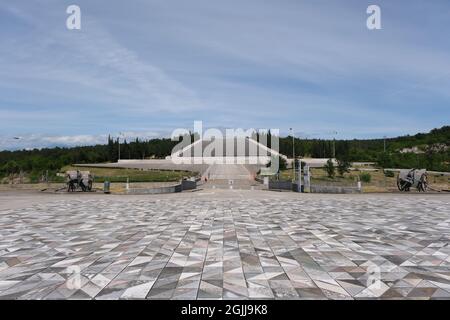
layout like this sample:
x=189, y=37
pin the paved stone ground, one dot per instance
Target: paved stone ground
x=235, y=245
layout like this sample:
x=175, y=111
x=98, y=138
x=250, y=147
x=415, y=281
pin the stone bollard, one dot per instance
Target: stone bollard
x=106, y=187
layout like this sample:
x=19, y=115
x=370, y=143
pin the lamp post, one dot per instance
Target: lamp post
x=334, y=144
x=293, y=155
x=118, y=139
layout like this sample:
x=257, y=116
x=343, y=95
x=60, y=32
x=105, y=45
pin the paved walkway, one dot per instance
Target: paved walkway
x=230, y=176
x=225, y=245
x=228, y=172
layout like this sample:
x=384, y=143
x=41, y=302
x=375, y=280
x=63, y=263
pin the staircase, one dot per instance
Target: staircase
x=230, y=176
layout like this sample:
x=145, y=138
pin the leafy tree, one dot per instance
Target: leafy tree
x=343, y=166
x=384, y=160
x=430, y=157
x=330, y=169
x=11, y=167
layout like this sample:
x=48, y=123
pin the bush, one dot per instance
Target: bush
x=365, y=177
x=343, y=166
x=329, y=168
x=10, y=167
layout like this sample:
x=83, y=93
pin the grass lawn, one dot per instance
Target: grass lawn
x=319, y=176
x=135, y=175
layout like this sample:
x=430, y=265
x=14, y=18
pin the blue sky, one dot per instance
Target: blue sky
x=146, y=67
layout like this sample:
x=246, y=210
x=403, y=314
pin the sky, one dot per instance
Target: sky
x=147, y=67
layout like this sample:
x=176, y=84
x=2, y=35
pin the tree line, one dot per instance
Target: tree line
x=434, y=152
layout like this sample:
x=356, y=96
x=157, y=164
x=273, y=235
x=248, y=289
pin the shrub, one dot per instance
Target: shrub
x=10, y=167
x=343, y=166
x=330, y=169
x=365, y=177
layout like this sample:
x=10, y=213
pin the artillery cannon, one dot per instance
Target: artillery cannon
x=79, y=180
x=413, y=178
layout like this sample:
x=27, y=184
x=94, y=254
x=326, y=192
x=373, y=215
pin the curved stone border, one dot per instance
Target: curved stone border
x=170, y=189
x=334, y=189
x=184, y=185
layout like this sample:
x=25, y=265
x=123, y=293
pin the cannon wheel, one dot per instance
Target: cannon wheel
x=421, y=187
x=71, y=187
x=83, y=186
x=423, y=184
x=399, y=184
x=403, y=185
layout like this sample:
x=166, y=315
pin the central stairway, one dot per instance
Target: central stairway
x=230, y=176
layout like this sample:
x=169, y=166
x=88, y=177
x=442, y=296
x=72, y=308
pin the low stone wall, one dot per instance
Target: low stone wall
x=170, y=189
x=184, y=185
x=188, y=185
x=280, y=185
x=296, y=187
x=334, y=189
x=289, y=186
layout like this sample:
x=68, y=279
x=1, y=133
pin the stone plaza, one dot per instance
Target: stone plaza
x=224, y=244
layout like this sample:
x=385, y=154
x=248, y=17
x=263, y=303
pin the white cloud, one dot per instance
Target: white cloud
x=30, y=141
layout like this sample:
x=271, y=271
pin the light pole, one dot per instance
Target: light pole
x=118, y=139
x=334, y=144
x=293, y=155
x=118, y=142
